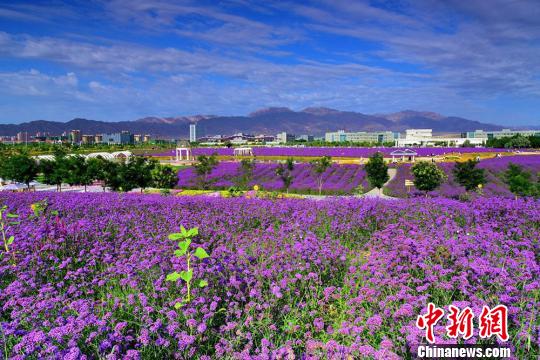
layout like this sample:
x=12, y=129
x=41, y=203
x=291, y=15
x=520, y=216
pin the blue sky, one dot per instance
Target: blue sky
x=126, y=59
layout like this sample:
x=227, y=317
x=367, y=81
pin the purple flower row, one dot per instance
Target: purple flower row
x=337, y=179
x=333, y=151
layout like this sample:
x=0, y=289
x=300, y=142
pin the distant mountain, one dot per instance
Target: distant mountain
x=312, y=120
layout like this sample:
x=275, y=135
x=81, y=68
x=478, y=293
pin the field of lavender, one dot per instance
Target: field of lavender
x=338, y=179
x=86, y=275
x=353, y=152
x=494, y=170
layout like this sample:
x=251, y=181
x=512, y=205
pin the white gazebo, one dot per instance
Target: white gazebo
x=180, y=152
x=406, y=155
x=243, y=151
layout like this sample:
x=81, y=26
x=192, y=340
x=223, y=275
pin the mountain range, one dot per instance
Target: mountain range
x=312, y=120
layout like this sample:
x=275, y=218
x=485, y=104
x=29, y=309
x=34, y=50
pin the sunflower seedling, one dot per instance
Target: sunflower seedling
x=184, y=237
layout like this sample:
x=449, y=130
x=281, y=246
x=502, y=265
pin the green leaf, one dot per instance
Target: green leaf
x=178, y=305
x=54, y=212
x=10, y=240
x=175, y=236
x=184, y=246
x=179, y=253
x=193, y=232
x=203, y=283
x=9, y=215
x=173, y=276
x=186, y=275
x=201, y=253
x=183, y=230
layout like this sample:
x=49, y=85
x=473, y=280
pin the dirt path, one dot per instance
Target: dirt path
x=378, y=192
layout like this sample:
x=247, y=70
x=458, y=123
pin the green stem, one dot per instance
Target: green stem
x=188, y=282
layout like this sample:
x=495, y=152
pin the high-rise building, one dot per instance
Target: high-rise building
x=87, y=139
x=124, y=137
x=192, y=132
x=75, y=137
x=284, y=138
x=22, y=137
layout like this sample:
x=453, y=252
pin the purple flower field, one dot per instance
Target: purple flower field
x=335, y=279
x=338, y=179
x=495, y=168
x=334, y=151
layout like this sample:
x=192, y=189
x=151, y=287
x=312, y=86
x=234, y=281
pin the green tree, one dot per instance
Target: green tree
x=427, y=176
x=77, y=171
x=96, y=168
x=55, y=172
x=519, y=181
x=203, y=168
x=164, y=177
x=19, y=168
x=377, y=170
x=284, y=171
x=319, y=166
x=246, y=173
x=468, y=175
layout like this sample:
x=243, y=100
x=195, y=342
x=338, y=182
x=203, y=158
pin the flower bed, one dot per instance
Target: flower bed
x=338, y=179
x=494, y=170
x=344, y=278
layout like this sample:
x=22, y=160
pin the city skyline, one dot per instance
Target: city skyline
x=122, y=60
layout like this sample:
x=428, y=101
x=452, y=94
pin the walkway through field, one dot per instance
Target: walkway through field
x=378, y=192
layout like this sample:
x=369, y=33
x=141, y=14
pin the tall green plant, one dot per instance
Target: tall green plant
x=284, y=171
x=183, y=250
x=319, y=167
x=377, y=170
x=427, y=176
x=468, y=175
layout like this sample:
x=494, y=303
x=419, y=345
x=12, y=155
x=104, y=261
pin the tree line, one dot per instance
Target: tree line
x=76, y=170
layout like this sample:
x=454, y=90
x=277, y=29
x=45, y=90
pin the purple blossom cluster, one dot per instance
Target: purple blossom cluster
x=354, y=152
x=494, y=171
x=337, y=179
x=342, y=278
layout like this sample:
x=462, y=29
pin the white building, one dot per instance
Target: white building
x=283, y=138
x=361, y=136
x=424, y=137
x=192, y=132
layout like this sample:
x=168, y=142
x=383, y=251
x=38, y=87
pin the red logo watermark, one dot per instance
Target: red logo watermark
x=460, y=322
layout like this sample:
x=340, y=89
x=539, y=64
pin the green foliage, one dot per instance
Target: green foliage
x=516, y=141
x=6, y=219
x=185, y=237
x=164, y=177
x=55, y=172
x=284, y=171
x=468, y=175
x=77, y=171
x=427, y=176
x=203, y=168
x=319, y=166
x=519, y=181
x=377, y=170
x=19, y=168
x=246, y=173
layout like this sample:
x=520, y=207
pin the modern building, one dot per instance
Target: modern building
x=283, y=138
x=121, y=138
x=487, y=135
x=424, y=137
x=307, y=138
x=22, y=137
x=192, y=132
x=75, y=136
x=87, y=139
x=362, y=136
